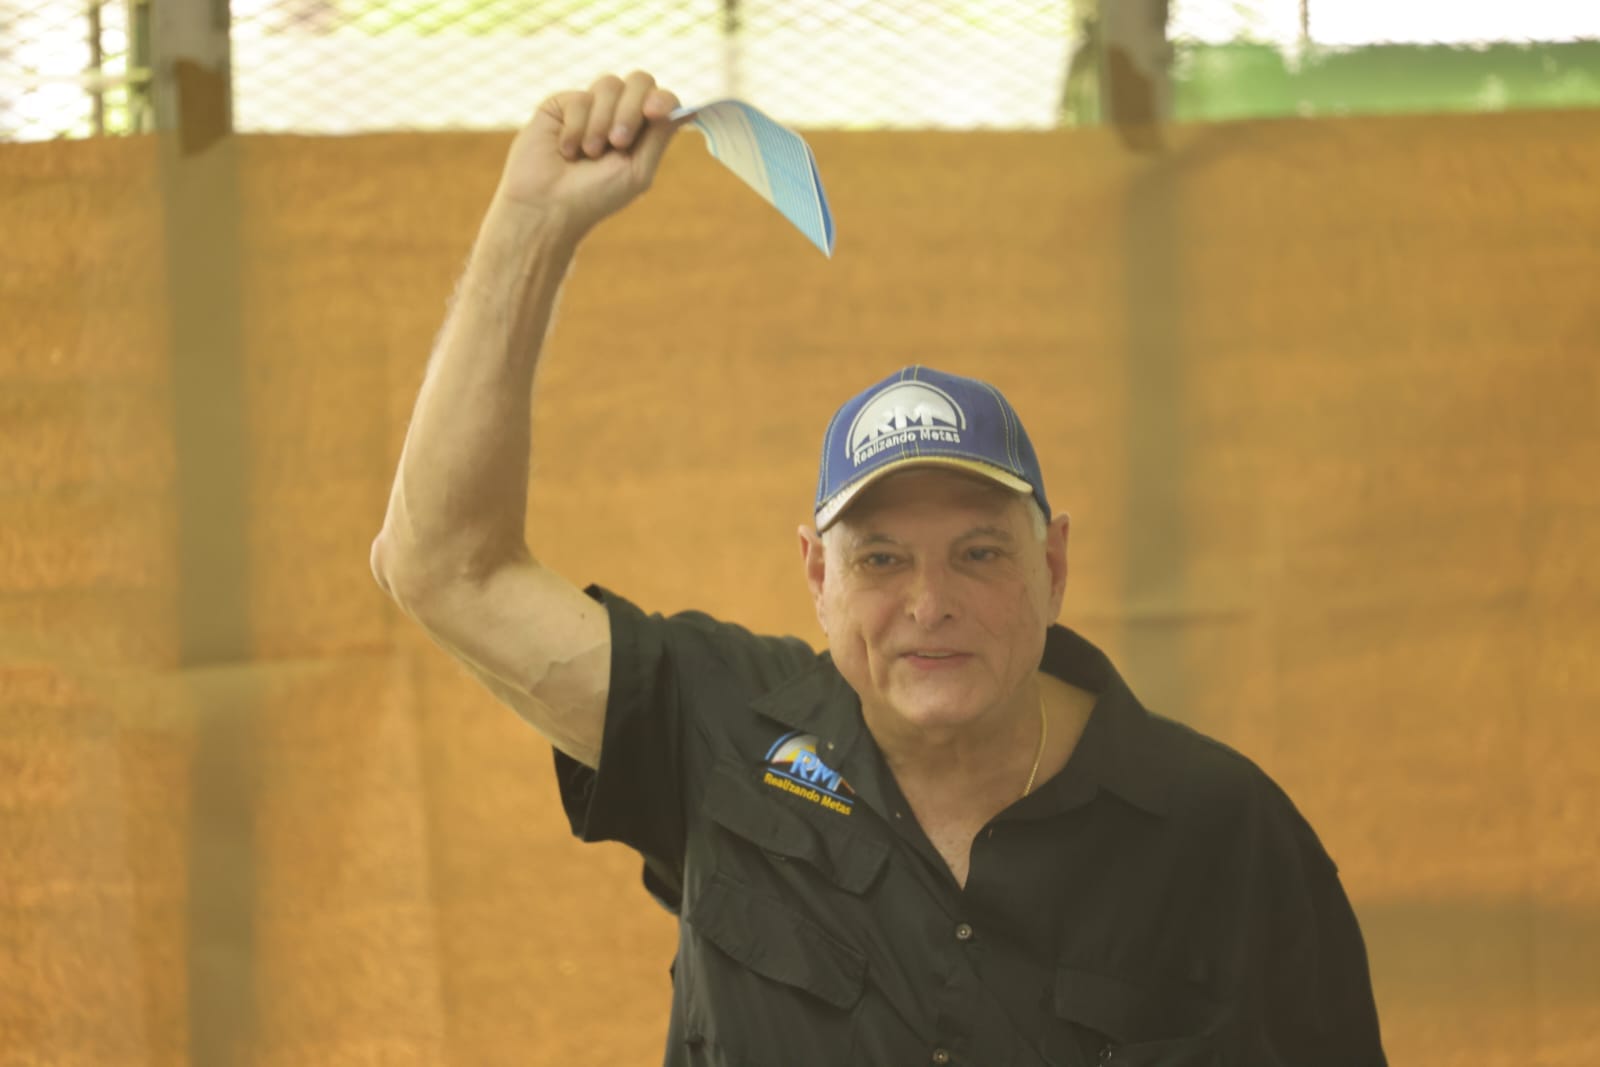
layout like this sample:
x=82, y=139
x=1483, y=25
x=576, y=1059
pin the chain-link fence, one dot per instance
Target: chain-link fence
x=67, y=69
x=81, y=67
x=432, y=63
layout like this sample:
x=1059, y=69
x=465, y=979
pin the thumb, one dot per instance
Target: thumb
x=652, y=145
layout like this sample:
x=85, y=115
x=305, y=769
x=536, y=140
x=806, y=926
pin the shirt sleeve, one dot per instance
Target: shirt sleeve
x=1320, y=1008
x=671, y=679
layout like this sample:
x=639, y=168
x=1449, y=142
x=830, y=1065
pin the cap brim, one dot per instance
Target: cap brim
x=831, y=509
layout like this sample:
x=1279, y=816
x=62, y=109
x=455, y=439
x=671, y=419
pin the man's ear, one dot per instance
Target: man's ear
x=814, y=555
x=1055, y=555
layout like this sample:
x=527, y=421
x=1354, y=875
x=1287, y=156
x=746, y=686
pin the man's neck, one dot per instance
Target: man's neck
x=956, y=784
x=992, y=759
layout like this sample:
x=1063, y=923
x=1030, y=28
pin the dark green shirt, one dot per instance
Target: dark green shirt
x=1158, y=902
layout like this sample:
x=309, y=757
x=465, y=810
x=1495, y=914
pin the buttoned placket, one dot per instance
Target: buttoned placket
x=965, y=1009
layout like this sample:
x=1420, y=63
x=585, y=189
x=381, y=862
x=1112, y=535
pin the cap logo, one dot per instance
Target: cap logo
x=904, y=413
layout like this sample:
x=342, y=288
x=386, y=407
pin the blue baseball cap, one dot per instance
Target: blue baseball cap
x=922, y=417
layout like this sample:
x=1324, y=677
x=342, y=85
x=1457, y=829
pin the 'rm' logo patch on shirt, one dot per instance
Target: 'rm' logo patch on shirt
x=792, y=765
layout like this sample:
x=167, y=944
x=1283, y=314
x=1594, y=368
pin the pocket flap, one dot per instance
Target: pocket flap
x=778, y=943
x=1102, y=1003
x=841, y=854
x=1127, y=1012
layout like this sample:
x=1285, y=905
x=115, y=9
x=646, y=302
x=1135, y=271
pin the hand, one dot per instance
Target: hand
x=588, y=154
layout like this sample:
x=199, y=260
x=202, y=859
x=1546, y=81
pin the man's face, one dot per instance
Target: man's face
x=935, y=592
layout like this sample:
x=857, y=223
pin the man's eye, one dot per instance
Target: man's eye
x=983, y=555
x=877, y=560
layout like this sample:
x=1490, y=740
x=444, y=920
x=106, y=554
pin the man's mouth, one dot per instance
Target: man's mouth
x=933, y=657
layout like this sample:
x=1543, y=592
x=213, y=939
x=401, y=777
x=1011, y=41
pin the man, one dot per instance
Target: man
x=953, y=838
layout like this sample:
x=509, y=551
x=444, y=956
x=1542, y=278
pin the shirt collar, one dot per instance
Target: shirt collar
x=1113, y=753
x=820, y=702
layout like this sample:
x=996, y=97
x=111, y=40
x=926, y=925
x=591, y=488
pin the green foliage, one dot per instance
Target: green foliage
x=1243, y=80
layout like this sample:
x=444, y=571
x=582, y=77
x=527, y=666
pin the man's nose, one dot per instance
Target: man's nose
x=931, y=598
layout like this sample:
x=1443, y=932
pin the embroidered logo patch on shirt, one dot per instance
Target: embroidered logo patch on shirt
x=793, y=766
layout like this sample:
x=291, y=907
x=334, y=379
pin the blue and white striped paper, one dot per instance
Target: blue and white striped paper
x=770, y=158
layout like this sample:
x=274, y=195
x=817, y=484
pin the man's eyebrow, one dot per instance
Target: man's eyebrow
x=998, y=533
x=877, y=537
x=871, y=538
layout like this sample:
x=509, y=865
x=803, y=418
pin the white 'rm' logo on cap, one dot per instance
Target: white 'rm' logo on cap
x=902, y=413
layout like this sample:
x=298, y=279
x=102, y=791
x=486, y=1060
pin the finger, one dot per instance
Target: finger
x=605, y=92
x=652, y=143
x=575, y=109
x=659, y=103
x=630, y=109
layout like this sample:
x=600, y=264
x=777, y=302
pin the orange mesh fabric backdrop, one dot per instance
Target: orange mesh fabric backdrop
x=1321, y=396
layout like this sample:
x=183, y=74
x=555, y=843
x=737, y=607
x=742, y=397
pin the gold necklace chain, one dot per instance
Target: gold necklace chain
x=1044, y=729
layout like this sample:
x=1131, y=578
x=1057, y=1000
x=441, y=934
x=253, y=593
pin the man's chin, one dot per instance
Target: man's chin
x=937, y=707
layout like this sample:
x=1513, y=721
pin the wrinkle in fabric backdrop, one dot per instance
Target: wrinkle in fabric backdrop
x=1320, y=396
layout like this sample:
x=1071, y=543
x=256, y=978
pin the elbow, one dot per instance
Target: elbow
x=394, y=576
x=410, y=578
x=400, y=577
x=382, y=566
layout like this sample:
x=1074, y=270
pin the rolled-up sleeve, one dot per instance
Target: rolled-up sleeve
x=1320, y=1009
x=668, y=675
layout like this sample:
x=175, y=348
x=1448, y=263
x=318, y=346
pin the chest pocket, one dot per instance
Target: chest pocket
x=1116, y=1023
x=770, y=908
x=761, y=817
x=765, y=937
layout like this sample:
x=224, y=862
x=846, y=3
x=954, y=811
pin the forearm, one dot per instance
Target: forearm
x=456, y=510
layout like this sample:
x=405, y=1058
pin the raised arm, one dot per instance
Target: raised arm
x=453, y=550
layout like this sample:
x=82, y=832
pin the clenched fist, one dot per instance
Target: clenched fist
x=586, y=154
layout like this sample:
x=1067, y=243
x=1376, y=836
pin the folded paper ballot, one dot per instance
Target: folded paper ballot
x=770, y=158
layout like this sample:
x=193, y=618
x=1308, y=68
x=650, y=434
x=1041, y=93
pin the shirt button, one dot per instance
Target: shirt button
x=941, y=1056
x=963, y=931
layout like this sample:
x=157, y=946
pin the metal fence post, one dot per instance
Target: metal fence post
x=190, y=70
x=192, y=98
